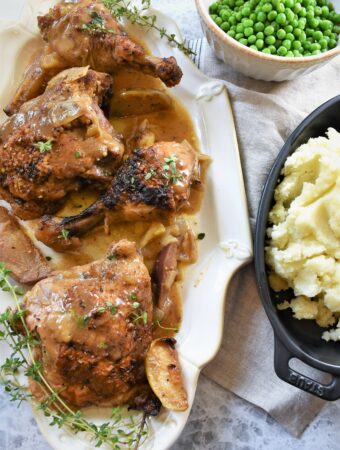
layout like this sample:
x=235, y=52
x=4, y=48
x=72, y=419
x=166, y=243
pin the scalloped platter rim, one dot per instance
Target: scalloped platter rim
x=227, y=245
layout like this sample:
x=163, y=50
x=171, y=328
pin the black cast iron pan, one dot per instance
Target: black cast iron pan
x=297, y=338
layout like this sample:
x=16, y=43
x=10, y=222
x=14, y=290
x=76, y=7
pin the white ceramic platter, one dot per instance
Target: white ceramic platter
x=223, y=217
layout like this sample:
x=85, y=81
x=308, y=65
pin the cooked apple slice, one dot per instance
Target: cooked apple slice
x=164, y=374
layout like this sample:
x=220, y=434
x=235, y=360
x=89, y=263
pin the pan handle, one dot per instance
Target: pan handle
x=282, y=356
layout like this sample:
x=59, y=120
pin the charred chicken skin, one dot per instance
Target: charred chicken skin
x=58, y=142
x=153, y=183
x=81, y=33
x=94, y=323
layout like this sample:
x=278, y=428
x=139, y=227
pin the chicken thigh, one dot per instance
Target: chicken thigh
x=94, y=323
x=81, y=33
x=153, y=183
x=58, y=142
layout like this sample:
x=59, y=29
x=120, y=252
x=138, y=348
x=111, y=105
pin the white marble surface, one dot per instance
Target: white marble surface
x=219, y=420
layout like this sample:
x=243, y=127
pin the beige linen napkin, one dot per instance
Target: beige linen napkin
x=265, y=114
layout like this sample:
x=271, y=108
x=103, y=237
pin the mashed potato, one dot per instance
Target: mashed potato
x=304, y=237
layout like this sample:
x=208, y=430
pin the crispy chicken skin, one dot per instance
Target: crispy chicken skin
x=153, y=183
x=83, y=146
x=83, y=33
x=94, y=323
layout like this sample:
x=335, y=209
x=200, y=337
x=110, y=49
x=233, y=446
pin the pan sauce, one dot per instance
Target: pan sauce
x=173, y=124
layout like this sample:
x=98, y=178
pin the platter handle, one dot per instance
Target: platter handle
x=282, y=356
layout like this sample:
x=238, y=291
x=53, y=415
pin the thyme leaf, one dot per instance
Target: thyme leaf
x=124, y=9
x=44, y=146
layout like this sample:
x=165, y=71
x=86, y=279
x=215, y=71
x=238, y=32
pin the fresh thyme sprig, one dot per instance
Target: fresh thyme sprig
x=124, y=9
x=120, y=432
x=97, y=23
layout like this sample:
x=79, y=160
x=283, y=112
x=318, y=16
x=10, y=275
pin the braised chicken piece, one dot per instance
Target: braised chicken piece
x=94, y=323
x=58, y=142
x=18, y=253
x=153, y=183
x=81, y=33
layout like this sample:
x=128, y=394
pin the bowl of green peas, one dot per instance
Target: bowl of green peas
x=272, y=40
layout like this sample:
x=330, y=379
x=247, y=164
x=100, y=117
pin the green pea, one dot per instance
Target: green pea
x=302, y=37
x=213, y=8
x=239, y=2
x=282, y=51
x=303, y=12
x=248, y=31
x=239, y=28
x=281, y=34
x=287, y=43
x=270, y=40
x=297, y=32
x=323, y=43
x=225, y=26
x=317, y=35
x=302, y=23
x=248, y=23
x=290, y=54
x=290, y=15
x=297, y=45
x=238, y=16
x=315, y=46
x=272, y=15
x=281, y=18
x=254, y=47
x=296, y=53
x=261, y=16
x=327, y=33
x=218, y=21
x=280, y=8
x=316, y=52
x=259, y=44
x=252, y=17
x=289, y=3
x=259, y=35
x=336, y=29
x=278, y=43
x=332, y=43
x=243, y=41
x=245, y=11
x=231, y=33
x=232, y=20
x=326, y=25
x=272, y=49
x=259, y=26
x=225, y=15
x=239, y=36
x=325, y=11
x=288, y=29
x=269, y=30
x=252, y=39
x=267, y=7
x=314, y=22
x=318, y=10
x=297, y=8
x=290, y=37
x=266, y=50
x=309, y=32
